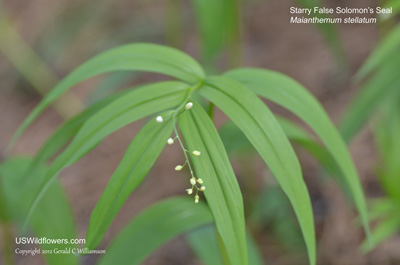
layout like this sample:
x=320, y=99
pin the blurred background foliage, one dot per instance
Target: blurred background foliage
x=352, y=69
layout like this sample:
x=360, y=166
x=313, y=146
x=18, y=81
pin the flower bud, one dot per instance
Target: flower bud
x=170, y=141
x=159, y=119
x=189, y=105
x=196, y=153
x=196, y=197
x=200, y=181
x=189, y=191
x=192, y=181
x=202, y=188
x=196, y=200
x=178, y=168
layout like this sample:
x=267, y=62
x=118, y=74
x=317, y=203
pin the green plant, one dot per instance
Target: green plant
x=378, y=103
x=217, y=25
x=235, y=93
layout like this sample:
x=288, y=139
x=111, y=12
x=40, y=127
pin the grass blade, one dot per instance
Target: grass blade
x=259, y=125
x=136, y=163
x=294, y=97
x=153, y=227
x=140, y=57
x=223, y=193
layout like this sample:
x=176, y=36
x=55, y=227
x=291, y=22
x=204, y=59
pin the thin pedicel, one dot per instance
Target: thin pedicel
x=194, y=181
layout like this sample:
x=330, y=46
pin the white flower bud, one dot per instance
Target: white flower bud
x=202, y=188
x=196, y=197
x=196, y=153
x=196, y=200
x=159, y=119
x=189, y=191
x=189, y=105
x=170, y=141
x=192, y=181
x=178, y=168
x=200, y=181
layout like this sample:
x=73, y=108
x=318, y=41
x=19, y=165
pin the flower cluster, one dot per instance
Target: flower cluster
x=196, y=183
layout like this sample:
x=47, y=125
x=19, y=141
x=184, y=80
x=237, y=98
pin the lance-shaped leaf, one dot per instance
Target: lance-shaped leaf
x=153, y=227
x=385, y=83
x=395, y=5
x=259, y=125
x=389, y=227
x=222, y=190
x=140, y=57
x=136, y=163
x=67, y=131
x=135, y=105
x=388, y=143
x=235, y=141
x=53, y=219
x=294, y=97
x=387, y=47
x=204, y=243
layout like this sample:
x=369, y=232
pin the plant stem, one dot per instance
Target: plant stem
x=234, y=42
x=183, y=148
x=210, y=111
x=177, y=111
x=174, y=23
x=33, y=69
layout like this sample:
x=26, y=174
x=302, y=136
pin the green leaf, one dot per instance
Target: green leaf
x=53, y=218
x=67, y=131
x=294, y=97
x=273, y=210
x=153, y=227
x=393, y=4
x=204, y=242
x=140, y=57
x=386, y=48
x=382, y=85
x=299, y=136
x=222, y=190
x=259, y=125
x=382, y=232
x=134, y=105
x=383, y=207
x=136, y=163
x=388, y=142
x=236, y=142
x=255, y=257
x=218, y=23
